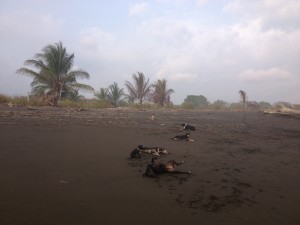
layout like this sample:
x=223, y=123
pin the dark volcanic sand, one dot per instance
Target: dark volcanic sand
x=64, y=167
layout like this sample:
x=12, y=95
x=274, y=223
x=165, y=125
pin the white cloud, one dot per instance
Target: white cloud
x=279, y=14
x=273, y=74
x=28, y=24
x=138, y=8
x=183, y=77
x=94, y=39
x=201, y=2
x=23, y=34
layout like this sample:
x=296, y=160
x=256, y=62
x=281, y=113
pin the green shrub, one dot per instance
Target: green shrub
x=187, y=105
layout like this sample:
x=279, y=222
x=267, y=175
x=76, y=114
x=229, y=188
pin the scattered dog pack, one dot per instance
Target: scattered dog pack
x=155, y=168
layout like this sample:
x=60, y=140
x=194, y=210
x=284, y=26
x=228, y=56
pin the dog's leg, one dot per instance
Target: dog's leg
x=173, y=162
x=155, y=153
x=178, y=164
x=182, y=172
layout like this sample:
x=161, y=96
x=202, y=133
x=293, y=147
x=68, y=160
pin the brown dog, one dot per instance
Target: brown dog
x=155, y=168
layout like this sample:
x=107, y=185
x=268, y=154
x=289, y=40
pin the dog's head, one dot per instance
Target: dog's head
x=162, y=151
x=140, y=147
x=135, y=153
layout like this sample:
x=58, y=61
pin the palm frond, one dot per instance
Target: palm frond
x=27, y=72
x=84, y=87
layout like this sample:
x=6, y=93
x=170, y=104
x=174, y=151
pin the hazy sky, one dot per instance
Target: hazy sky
x=202, y=47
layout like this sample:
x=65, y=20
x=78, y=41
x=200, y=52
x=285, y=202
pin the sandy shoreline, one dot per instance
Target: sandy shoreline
x=61, y=166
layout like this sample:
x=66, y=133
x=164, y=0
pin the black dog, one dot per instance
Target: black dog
x=136, y=153
x=185, y=126
x=159, y=168
x=185, y=137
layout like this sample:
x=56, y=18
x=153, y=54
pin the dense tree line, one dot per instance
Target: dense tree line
x=55, y=79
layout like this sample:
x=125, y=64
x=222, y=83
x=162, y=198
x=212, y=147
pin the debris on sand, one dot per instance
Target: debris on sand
x=282, y=110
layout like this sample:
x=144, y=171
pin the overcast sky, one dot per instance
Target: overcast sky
x=201, y=47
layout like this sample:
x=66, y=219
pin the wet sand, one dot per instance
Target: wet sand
x=62, y=166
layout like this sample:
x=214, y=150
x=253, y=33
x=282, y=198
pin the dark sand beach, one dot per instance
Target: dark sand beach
x=68, y=167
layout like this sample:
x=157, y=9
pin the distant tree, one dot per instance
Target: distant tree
x=130, y=98
x=115, y=94
x=161, y=94
x=187, y=105
x=264, y=105
x=54, y=75
x=235, y=106
x=197, y=100
x=252, y=105
x=139, y=89
x=243, y=96
x=219, y=104
x=102, y=94
x=74, y=95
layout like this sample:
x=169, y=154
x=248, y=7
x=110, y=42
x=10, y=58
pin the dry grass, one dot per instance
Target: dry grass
x=97, y=104
x=5, y=99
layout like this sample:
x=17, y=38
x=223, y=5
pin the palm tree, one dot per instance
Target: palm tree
x=54, y=76
x=139, y=89
x=102, y=94
x=161, y=94
x=115, y=94
x=243, y=96
x=74, y=95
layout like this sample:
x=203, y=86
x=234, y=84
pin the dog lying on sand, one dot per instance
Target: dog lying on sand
x=155, y=168
x=185, y=137
x=186, y=126
x=157, y=151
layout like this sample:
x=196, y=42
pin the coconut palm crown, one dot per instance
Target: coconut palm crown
x=139, y=89
x=54, y=75
x=115, y=94
x=161, y=94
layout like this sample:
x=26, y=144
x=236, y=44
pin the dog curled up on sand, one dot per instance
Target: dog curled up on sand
x=157, y=151
x=185, y=137
x=155, y=168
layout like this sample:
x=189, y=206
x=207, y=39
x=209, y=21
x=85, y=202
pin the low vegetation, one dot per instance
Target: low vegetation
x=55, y=84
x=100, y=103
